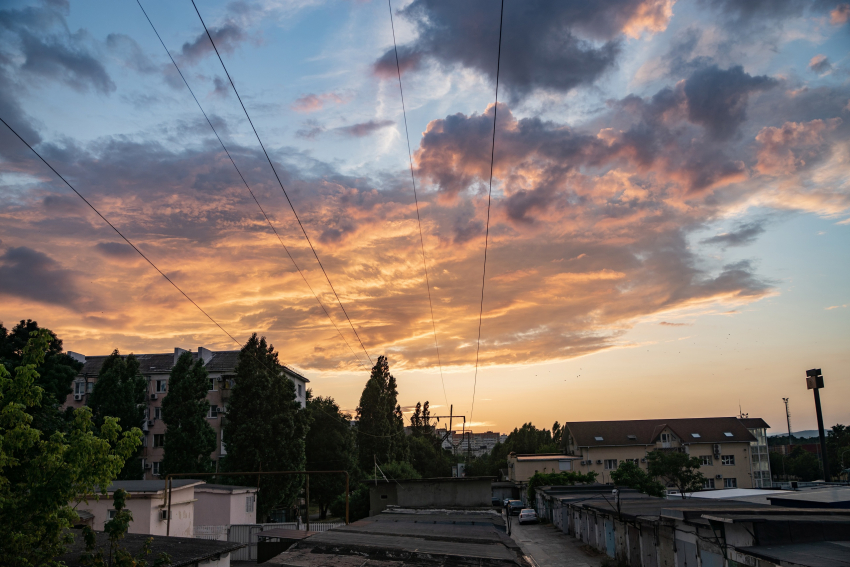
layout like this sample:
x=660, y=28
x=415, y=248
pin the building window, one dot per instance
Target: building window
x=695, y=435
x=111, y=514
x=727, y=459
x=161, y=385
x=212, y=385
x=705, y=460
x=213, y=412
x=155, y=468
x=598, y=438
x=159, y=440
x=144, y=440
x=610, y=464
x=79, y=387
x=728, y=434
x=666, y=437
x=708, y=483
x=249, y=503
x=299, y=390
x=632, y=437
x=730, y=483
x=157, y=412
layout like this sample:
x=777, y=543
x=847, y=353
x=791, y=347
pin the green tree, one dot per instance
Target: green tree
x=528, y=439
x=380, y=428
x=190, y=439
x=425, y=449
x=838, y=450
x=398, y=470
x=676, y=469
x=330, y=446
x=55, y=375
x=265, y=426
x=358, y=504
x=121, y=392
x=804, y=465
x=40, y=475
x=558, y=479
x=630, y=475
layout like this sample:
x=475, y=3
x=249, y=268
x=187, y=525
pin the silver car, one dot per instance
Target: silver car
x=528, y=516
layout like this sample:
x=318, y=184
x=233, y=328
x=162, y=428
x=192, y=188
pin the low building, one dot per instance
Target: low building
x=225, y=504
x=156, y=368
x=469, y=492
x=733, y=452
x=523, y=467
x=146, y=500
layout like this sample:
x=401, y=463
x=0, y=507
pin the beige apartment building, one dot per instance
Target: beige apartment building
x=221, y=366
x=732, y=451
x=523, y=467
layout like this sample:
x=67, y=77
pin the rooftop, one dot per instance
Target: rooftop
x=817, y=554
x=224, y=488
x=150, y=486
x=648, y=431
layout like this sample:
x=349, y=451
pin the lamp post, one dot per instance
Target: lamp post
x=788, y=421
x=814, y=381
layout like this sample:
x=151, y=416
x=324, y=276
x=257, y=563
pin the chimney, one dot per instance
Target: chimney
x=205, y=354
x=177, y=353
x=77, y=356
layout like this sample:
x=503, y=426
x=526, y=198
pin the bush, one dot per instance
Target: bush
x=358, y=504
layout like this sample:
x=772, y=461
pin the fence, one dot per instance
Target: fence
x=247, y=533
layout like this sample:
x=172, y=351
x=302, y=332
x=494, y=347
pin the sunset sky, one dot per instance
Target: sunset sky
x=670, y=222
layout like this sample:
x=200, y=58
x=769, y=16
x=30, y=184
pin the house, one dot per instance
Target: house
x=146, y=500
x=523, y=467
x=225, y=504
x=221, y=366
x=732, y=451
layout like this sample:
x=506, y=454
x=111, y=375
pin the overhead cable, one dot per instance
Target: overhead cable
x=489, y=194
x=416, y=200
x=274, y=170
x=288, y=253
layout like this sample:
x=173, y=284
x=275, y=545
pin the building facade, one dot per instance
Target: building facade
x=477, y=444
x=732, y=451
x=156, y=368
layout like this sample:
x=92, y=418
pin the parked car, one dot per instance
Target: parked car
x=514, y=507
x=528, y=516
x=496, y=502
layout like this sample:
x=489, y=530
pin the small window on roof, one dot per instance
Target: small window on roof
x=599, y=438
x=727, y=434
x=695, y=435
x=632, y=437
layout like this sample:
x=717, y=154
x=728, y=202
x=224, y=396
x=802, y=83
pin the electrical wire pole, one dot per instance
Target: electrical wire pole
x=814, y=381
x=788, y=421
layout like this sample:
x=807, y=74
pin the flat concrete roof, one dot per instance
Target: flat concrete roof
x=818, y=554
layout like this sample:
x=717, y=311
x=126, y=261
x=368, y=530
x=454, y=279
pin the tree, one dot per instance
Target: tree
x=630, y=475
x=330, y=446
x=40, y=475
x=380, y=428
x=120, y=392
x=838, y=450
x=265, y=427
x=398, y=470
x=528, y=439
x=190, y=439
x=55, y=375
x=424, y=448
x=676, y=469
x=804, y=465
x=558, y=479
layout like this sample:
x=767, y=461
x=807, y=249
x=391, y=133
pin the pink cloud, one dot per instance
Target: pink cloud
x=314, y=102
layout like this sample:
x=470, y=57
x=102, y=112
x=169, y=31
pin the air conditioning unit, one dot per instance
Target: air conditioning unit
x=164, y=515
x=78, y=397
x=718, y=476
x=643, y=460
x=151, y=422
x=598, y=461
x=581, y=462
x=147, y=466
x=222, y=410
x=153, y=396
x=717, y=448
x=219, y=379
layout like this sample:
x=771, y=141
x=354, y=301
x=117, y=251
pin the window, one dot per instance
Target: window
x=144, y=440
x=160, y=385
x=299, y=390
x=727, y=459
x=249, y=503
x=632, y=437
x=705, y=460
x=212, y=385
x=708, y=483
x=79, y=387
x=728, y=434
x=157, y=412
x=730, y=483
x=111, y=514
x=610, y=464
x=155, y=467
x=695, y=435
x=667, y=437
x=213, y=412
x=159, y=440
x=599, y=438
x=223, y=451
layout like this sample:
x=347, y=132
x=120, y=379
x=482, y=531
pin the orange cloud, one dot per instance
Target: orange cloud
x=785, y=149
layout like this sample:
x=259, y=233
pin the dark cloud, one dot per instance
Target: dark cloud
x=129, y=53
x=717, y=98
x=222, y=87
x=30, y=274
x=554, y=45
x=116, y=250
x=310, y=130
x=363, y=128
x=820, y=64
x=227, y=38
x=745, y=234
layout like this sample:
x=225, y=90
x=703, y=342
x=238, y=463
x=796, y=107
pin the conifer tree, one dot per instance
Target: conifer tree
x=380, y=429
x=190, y=438
x=265, y=426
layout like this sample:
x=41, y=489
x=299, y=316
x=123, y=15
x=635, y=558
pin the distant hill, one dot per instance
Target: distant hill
x=799, y=434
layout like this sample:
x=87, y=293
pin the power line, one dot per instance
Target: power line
x=274, y=170
x=489, y=194
x=416, y=200
x=246, y=183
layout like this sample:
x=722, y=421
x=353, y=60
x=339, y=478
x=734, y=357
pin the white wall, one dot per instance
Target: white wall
x=223, y=508
x=145, y=508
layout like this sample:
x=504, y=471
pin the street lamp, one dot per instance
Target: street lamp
x=814, y=381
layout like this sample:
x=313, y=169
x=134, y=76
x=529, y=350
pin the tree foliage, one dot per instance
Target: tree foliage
x=558, y=479
x=265, y=426
x=190, y=439
x=330, y=446
x=121, y=392
x=630, y=475
x=676, y=469
x=838, y=450
x=425, y=449
x=39, y=474
x=380, y=428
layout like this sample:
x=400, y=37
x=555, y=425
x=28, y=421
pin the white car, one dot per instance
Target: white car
x=528, y=516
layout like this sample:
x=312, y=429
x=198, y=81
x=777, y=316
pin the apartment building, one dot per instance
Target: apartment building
x=476, y=443
x=732, y=451
x=221, y=366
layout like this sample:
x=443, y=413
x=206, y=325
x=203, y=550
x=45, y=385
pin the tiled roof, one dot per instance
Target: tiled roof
x=646, y=431
x=754, y=423
x=223, y=361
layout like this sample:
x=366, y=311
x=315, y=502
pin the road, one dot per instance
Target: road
x=550, y=547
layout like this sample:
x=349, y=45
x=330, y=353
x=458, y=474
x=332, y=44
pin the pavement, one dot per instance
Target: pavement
x=550, y=547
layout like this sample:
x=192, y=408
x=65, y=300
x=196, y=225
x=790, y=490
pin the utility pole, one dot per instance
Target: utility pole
x=788, y=421
x=814, y=381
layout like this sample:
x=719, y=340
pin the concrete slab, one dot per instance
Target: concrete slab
x=550, y=547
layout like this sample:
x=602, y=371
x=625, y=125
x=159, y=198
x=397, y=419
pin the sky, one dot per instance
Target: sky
x=669, y=217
